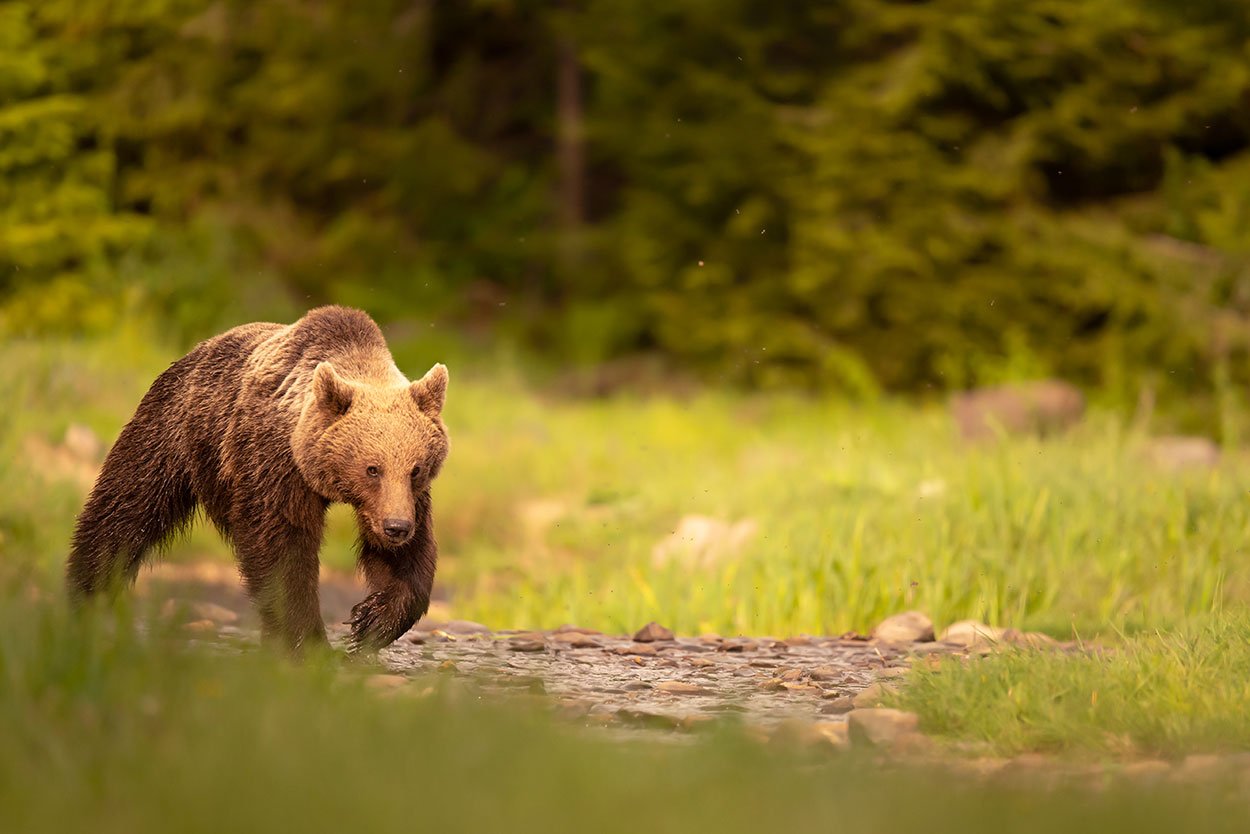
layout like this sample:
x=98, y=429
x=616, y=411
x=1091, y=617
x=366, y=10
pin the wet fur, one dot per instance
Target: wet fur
x=263, y=427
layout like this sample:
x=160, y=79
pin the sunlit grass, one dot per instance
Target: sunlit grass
x=861, y=513
x=1158, y=694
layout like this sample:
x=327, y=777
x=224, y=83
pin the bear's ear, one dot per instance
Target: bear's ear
x=431, y=390
x=333, y=393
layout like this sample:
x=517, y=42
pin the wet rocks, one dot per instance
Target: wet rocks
x=908, y=627
x=764, y=680
x=651, y=679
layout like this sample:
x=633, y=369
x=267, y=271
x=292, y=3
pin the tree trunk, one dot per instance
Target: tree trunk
x=570, y=152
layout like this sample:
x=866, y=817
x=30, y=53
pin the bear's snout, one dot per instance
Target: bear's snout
x=397, y=529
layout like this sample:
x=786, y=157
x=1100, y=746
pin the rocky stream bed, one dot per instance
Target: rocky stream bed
x=656, y=680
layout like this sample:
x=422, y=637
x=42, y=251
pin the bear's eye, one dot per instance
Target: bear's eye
x=372, y=471
x=416, y=470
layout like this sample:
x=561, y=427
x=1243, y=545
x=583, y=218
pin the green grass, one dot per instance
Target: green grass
x=1160, y=694
x=862, y=513
x=549, y=509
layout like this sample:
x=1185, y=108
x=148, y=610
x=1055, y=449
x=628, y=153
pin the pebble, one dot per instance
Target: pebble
x=651, y=632
x=908, y=627
x=838, y=704
x=572, y=629
x=881, y=727
x=971, y=633
x=682, y=688
x=791, y=686
x=873, y=695
x=575, y=640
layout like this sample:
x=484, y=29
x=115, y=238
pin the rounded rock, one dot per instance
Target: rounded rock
x=908, y=627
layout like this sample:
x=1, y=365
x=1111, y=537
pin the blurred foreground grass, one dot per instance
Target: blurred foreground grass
x=105, y=731
x=549, y=509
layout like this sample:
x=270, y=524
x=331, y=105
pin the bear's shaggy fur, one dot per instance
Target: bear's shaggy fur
x=262, y=427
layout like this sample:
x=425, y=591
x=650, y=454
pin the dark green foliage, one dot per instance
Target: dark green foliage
x=863, y=194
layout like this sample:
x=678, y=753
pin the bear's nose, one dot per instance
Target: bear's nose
x=396, y=528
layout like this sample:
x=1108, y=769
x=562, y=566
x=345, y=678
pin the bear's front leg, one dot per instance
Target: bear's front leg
x=399, y=582
x=280, y=566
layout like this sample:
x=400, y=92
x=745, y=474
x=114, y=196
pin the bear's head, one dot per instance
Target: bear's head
x=374, y=447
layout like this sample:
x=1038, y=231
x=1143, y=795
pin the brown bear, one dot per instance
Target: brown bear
x=262, y=427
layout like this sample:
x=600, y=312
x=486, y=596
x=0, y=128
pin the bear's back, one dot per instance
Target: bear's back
x=247, y=386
